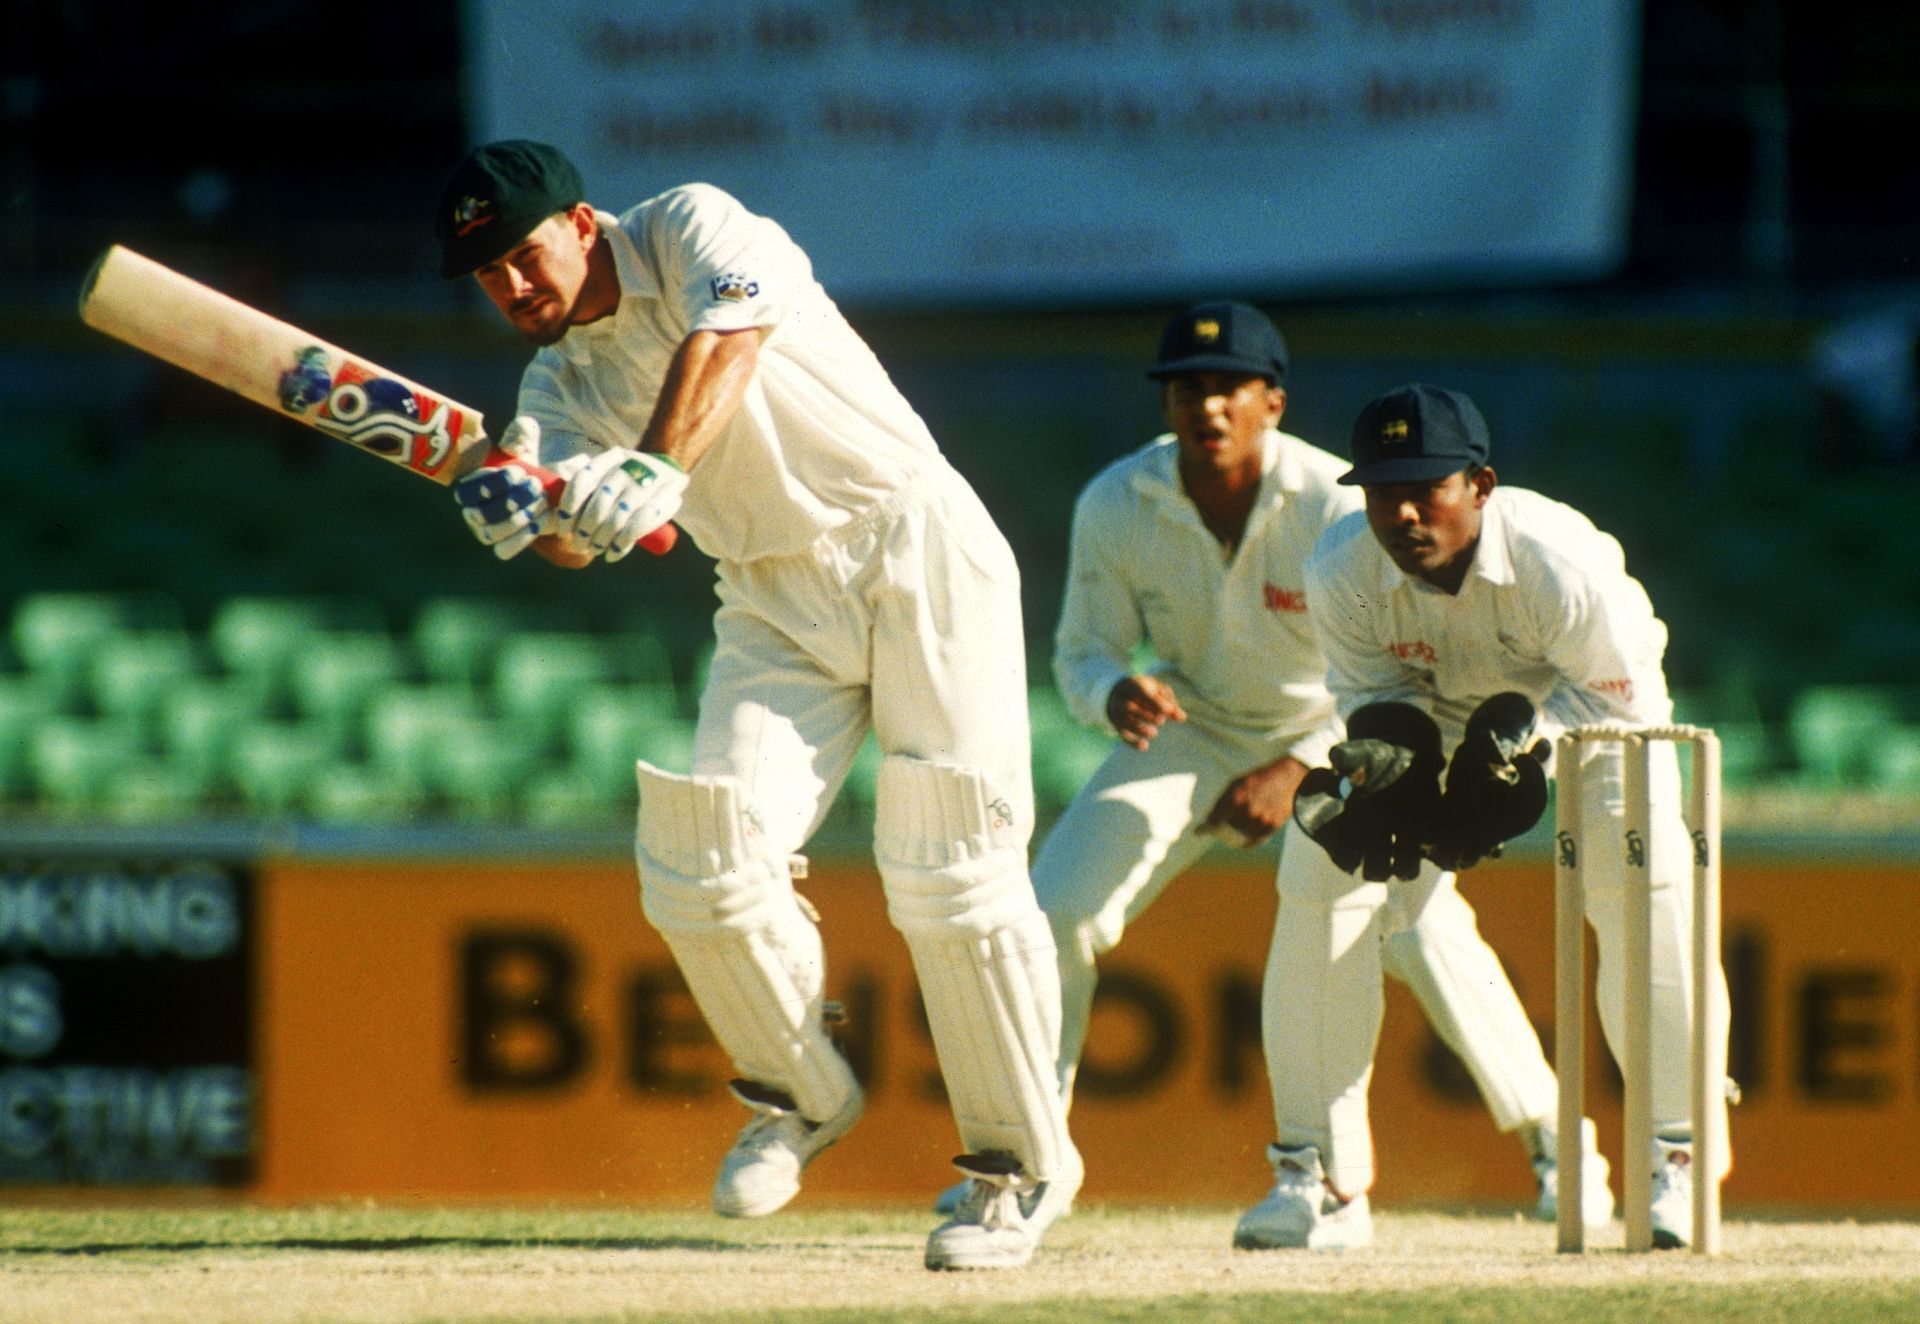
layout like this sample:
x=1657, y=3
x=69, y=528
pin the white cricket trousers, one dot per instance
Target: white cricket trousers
x=1130, y=832
x=907, y=621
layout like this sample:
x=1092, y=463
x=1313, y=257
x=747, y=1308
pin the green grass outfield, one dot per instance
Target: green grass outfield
x=69, y=1265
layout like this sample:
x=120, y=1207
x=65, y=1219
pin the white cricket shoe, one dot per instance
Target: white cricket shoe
x=949, y=1200
x=1673, y=1194
x=1003, y=1214
x=762, y=1170
x=1596, y=1200
x=1301, y=1213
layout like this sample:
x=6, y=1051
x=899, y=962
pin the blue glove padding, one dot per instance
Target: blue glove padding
x=504, y=504
x=617, y=497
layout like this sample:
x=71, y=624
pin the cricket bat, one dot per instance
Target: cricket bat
x=158, y=310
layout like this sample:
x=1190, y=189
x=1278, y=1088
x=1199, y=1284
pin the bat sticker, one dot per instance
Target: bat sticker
x=375, y=413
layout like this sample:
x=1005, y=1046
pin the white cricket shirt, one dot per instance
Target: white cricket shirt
x=1547, y=609
x=1234, y=626
x=822, y=434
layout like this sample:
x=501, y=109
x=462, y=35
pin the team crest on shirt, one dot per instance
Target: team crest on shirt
x=733, y=287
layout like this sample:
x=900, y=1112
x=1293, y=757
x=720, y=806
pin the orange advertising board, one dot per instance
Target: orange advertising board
x=514, y=1030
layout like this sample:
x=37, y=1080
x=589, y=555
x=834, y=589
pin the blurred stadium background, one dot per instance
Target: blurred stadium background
x=226, y=637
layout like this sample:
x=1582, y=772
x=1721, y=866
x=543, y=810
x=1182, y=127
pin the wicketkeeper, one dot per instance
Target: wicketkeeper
x=1465, y=626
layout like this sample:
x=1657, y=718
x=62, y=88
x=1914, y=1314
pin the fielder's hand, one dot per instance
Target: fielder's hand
x=1496, y=784
x=1373, y=810
x=504, y=504
x=616, y=498
x=1256, y=804
x=1139, y=706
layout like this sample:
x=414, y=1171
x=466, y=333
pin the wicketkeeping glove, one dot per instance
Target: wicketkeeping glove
x=1373, y=809
x=1496, y=783
x=504, y=504
x=618, y=497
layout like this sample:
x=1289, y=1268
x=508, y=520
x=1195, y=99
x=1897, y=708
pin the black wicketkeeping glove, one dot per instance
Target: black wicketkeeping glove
x=1496, y=783
x=1373, y=810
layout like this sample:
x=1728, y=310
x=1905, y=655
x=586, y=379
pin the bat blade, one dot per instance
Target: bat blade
x=294, y=373
x=273, y=363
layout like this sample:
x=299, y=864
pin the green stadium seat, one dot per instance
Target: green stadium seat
x=565, y=797
x=259, y=637
x=481, y=772
x=132, y=675
x=335, y=677
x=273, y=764
x=1833, y=729
x=25, y=702
x=407, y=725
x=456, y=638
x=360, y=795
x=199, y=720
x=537, y=676
x=609, y=726
x=441, y=739
x=1894, y=760
x=74, y=761
x=56, y=635
x=150, y=791
x=643, y=642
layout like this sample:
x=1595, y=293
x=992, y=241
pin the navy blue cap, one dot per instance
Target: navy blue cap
x=496, y=197
x=1415, y=435
x=1221, y=337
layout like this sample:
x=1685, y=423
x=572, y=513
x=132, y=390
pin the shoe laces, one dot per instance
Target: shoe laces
x=1291, y=1176
x=990, y=1204
x=774, y=1129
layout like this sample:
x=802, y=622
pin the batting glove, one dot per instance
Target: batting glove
x=504, y=505
x=618, y=497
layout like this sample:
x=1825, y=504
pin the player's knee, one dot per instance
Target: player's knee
x=951, y=851
x=703, y=860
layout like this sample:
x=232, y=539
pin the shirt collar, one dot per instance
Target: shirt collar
x=636, y=282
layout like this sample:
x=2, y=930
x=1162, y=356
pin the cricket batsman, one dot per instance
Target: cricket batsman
x=692, y=370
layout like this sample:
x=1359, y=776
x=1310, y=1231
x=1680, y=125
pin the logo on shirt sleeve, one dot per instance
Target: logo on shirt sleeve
x=1285, y=599
x=733, y=287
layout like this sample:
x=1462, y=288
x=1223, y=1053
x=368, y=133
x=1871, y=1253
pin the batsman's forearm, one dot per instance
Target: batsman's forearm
x=704, y=386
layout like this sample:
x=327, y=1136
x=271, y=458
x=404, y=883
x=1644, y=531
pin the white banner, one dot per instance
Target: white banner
x=1041, y=150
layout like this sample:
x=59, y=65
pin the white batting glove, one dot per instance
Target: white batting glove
x=618, y=497
x=504, y=505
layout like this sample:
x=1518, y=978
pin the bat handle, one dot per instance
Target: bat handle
x=659, y=542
